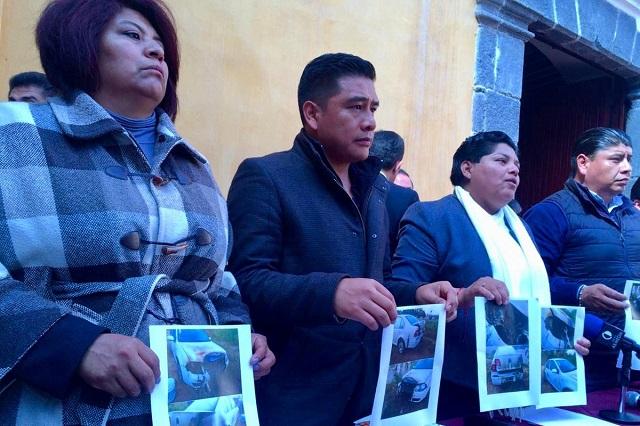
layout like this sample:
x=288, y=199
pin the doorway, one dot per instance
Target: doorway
x=562, y=96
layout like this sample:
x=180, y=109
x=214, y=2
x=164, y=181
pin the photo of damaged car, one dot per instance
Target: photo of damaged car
x=417, y=382
x=197, y=357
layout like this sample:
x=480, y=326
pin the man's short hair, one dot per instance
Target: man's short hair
x=387, y=146
x=473, y=149
x=319, y=79
x=635, y=191
x=594, y=140
x=32, y=78
x=68, y=36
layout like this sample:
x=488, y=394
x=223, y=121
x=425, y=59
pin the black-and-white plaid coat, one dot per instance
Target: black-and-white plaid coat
x=80, y=210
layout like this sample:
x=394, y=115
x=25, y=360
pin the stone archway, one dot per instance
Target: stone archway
x=594, y=30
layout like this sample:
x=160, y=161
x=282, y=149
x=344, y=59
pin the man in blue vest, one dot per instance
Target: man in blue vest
x=588, y=234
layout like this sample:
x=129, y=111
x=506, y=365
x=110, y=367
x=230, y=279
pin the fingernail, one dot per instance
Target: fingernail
x=255, y=366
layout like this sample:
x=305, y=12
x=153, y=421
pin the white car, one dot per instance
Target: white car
x=507, y=365
x=407, y=332
x=197, y=357
x=561, y=374
x=417, y=382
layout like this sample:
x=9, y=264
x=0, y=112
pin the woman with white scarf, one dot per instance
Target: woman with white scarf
x=474, y=240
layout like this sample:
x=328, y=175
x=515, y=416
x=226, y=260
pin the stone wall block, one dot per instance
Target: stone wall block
x=606, y=16
x=542, y=7
x=635, y=55
x=495, y=111
x=567, y=17
x=623, y=42
x=486, y=43
x=510, y=53
x=587, y=9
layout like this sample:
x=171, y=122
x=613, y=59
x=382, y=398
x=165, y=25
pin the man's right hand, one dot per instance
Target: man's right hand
x=599, y=297
x=120, y=365
x=366, y=301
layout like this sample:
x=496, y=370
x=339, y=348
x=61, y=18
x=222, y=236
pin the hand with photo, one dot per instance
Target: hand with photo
x=487, y=287
x=263, y=359
x=582, y=346
x=439, y=292
x=120, y=365
x=366, y=301
x=599, y=297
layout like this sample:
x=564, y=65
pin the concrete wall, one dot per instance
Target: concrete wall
x=241, y=62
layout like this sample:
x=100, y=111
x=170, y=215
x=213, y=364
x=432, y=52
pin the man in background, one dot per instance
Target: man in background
x=31, y=86
x=635, y=194
x=388, y=146
x=403, y=179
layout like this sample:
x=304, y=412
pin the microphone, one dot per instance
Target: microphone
x=632, y=399
x=607, y=335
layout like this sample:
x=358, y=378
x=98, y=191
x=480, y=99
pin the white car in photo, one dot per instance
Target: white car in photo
x=417, y=382
x=507, y=365
x=407, y=332
x=197, y=357
x=561, y=374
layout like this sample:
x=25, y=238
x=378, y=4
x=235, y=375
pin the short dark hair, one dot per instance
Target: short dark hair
x=594, y=140
x=387, y=146
x=635, y=190
x=319, y=79
x=473, y=149
x=68, y=37
x=32, y=78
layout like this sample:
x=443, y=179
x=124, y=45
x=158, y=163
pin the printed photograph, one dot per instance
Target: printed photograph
x=411, y=365
x=205, y=385
x=559, y=362
x=507, y=347
x=634, y=301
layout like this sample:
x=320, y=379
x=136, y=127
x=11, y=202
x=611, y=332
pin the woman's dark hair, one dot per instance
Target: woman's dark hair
x=473, y=149
x=68, y=37
x=594, y=140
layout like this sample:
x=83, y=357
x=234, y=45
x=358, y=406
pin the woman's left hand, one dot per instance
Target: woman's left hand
x=582, y=346
x=262, y=359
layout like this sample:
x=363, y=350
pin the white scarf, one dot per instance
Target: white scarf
x=519, y=266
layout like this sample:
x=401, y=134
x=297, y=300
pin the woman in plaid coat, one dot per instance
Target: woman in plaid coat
x=109, y=221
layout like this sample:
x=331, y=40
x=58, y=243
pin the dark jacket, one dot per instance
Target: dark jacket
x=581, y=243
x=297, y=234
x=438, y=242
x=398, y=201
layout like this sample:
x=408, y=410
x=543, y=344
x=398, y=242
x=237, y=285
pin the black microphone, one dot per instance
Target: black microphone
x=632, y=399
x=607, y=335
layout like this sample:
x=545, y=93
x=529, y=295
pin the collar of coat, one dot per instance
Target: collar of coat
x=363, y=174
x=83, y=119
x=587, y=199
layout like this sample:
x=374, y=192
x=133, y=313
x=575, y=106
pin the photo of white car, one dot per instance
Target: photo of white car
x=197, y=357
x=417, y=382
x=407, y=332
x=561, y=374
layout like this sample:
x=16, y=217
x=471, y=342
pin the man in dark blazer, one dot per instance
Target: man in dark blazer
x=388, y=146
x=310, y=245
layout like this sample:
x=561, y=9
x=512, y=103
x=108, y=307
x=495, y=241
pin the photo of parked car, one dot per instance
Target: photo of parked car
x=561, y=374
x=197, y=357
x=507, y=366
x=415, y=384
x=407, y=332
